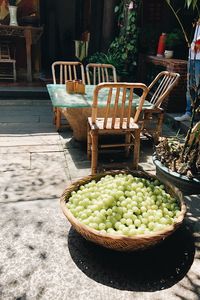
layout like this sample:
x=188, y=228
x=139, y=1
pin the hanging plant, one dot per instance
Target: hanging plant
x=125, y=46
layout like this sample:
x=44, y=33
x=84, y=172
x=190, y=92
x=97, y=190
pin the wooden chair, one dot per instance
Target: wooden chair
x=97, y=73
x=7, y=64
x=159, y=90
x=117, y=120
x=61, y=72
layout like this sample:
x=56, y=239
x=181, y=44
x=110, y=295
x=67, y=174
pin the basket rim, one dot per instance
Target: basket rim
x=73, y=220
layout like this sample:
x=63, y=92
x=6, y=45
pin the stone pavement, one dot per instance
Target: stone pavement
x=41, y=256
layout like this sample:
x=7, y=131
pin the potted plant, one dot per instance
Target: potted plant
x=173, y=39
x=109, y=58
x=178, y=160
x=125, y=44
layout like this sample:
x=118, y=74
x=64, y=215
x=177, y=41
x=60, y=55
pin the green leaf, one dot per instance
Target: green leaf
x=124, y=56
x=190, y=3
x=194, y=4
x=130, y=47
x=116, y=9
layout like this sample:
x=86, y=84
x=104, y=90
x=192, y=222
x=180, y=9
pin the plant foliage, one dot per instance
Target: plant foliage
x=125, y=45
x=108, y=58
x=174, y=39
x=184, y=157
x=188, y=4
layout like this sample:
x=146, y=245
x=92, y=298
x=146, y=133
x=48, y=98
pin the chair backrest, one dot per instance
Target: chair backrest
x=120, y=97
x=67, y=70
x=97, y=73
x=161, y=86
x=4, y=51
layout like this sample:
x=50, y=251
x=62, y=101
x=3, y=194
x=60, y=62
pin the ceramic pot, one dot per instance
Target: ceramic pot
x=168, y=53
x=13, y=15
x=183, y=183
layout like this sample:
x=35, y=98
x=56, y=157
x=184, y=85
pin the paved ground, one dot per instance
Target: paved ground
x=41, y=256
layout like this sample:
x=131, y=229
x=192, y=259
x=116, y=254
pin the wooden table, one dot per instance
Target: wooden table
x=77, y=108
x=31, y=36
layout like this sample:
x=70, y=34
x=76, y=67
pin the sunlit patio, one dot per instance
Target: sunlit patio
x=42, y=257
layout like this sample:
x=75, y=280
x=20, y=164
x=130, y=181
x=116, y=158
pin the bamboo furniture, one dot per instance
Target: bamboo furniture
x=97, y=73
x=159, y=90
x=122, y=242
x=61, y=72
x=117, y=120
x=77, y=107
x=150, y=65
x=7, y=63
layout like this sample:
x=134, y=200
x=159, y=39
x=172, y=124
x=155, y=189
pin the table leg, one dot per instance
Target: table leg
x=58, y=118
x=77, y=118
x=28, y=39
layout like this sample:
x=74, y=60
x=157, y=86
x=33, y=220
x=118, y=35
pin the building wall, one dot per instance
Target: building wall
x=66, y=21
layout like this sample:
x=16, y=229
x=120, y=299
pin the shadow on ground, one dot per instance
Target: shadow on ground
x=109, y=158
x=149, y=270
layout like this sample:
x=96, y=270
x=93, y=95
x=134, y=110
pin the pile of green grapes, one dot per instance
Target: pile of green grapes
x=124, y=205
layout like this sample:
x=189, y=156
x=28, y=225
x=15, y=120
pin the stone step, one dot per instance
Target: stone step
x=23, y=104
x=20, y=92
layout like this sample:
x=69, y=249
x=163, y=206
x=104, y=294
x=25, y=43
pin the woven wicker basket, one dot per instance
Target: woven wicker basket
x=117, y=242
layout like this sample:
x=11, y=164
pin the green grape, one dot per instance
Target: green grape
x=124, y=205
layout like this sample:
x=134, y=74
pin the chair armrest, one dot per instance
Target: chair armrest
x=151, y=110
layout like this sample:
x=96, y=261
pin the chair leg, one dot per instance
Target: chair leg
x=14, y=72
x=127, y=141
x=58, y=118
x=146, y=120
x=136, y=151
x=54, y=115
x=88, y=141
x=159, y=127
x=94, y=138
